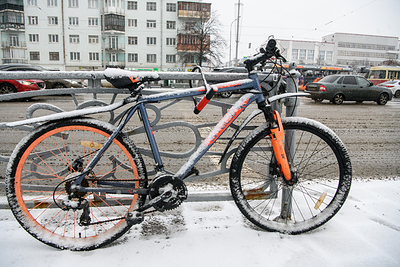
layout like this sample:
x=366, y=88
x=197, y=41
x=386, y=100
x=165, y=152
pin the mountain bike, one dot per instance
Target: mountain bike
x=78, y=183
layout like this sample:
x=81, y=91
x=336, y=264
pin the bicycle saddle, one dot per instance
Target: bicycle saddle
x=128, y=79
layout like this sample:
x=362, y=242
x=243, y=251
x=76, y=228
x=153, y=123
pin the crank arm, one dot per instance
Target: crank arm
x=155, y=201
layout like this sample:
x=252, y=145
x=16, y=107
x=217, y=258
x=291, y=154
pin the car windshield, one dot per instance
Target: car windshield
x=329, y=79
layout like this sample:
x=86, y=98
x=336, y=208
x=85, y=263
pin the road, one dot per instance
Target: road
x=369, y=131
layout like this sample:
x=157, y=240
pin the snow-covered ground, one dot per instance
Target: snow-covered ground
x=366, y=232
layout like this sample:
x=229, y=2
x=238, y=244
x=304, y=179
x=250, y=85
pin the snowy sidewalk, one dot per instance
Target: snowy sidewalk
x=366, y=232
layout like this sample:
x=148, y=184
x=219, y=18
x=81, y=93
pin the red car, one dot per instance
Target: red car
x=14, y=86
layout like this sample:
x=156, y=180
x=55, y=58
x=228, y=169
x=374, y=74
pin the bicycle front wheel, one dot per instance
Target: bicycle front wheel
x=321, y=167
x=43, y=167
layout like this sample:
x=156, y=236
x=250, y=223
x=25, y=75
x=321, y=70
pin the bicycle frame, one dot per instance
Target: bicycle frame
x=255, y=94
x=212, y=137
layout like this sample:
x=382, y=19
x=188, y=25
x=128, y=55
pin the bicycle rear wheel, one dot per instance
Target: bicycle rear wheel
x=42, y=169
x=318, y=160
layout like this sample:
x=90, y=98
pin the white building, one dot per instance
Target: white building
x=363, y=50
x=343, y=49
x=308, y=52
x=69, y=35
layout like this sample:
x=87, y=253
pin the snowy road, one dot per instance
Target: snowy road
x=366, y=232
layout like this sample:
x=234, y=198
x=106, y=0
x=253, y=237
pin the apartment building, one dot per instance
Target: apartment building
x=72, y=34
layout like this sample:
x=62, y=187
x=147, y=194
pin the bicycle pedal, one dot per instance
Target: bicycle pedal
x=134, y=218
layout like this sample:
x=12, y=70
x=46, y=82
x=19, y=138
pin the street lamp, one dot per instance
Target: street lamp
x=230, y=40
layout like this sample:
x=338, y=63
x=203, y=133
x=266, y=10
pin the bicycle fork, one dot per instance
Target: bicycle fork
x=290, y=178
x=277, y=135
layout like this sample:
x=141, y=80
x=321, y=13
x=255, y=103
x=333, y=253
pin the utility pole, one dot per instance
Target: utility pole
x=237, y=34
x=103, y=35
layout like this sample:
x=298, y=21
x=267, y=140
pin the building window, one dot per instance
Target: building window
x=310, y=54
x=53, y=38
x=74, y=39
x=132, y=5
x=93, y=21
x=75, y=56
x=171, y=25
x=94, y=56
x=34, y=38
x=132, y=23
x=329, y=55
x=73, y=3
x=34, y=55
x=93, y=3
x=190, y=59
x=133, y=57
x=171, y=58
x=51, y=2
x=132, y=40
x=93, y=39
x=151, y=6
x=171, y=7
x=33, y=20
x=302, y=54
x=32, y=2
x=321, y=55
x=73, y=21
x=151, y=58
x=54, y=56
x=190, y=26
x=295, y=53
x=151, y=23
x=151, y=40
x=52, y=20
x=171, y=41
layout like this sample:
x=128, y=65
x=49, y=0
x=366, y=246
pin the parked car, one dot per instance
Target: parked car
x=50, y=84
x=14, y=86
x=339, y=88
x=392, y=85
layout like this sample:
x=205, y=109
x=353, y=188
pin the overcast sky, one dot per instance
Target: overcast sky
x=304, y=19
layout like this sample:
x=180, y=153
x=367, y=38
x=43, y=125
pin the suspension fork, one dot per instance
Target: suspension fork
x=277, y=135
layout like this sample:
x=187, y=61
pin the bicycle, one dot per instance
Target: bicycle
x=78, y=183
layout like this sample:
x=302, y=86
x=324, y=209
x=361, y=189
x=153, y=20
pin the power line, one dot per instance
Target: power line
x=332, y=21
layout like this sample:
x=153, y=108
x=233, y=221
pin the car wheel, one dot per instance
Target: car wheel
x=59, y=86
x=383, y=99
x=7, y=88
x=397, y=94
x=226, y=94
x=338, y=99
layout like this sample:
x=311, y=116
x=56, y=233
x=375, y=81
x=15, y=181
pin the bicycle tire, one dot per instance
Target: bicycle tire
x=320, y=162
x=37, y=183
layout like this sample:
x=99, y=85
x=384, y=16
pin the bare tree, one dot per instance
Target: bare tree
x=200, y=41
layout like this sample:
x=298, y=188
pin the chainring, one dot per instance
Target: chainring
x=168, y=183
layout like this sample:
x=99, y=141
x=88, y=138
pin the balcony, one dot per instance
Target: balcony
x=193, y=42
x=194, y=10
x=8, y=45
x=114, y=22
x=114, y=10
x=114, y=47
x=14, y=61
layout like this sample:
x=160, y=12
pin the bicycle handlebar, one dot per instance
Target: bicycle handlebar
x=270, y=51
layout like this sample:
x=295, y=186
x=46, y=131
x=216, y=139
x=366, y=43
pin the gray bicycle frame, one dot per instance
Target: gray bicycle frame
x=228, y=118
x=255, y=94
